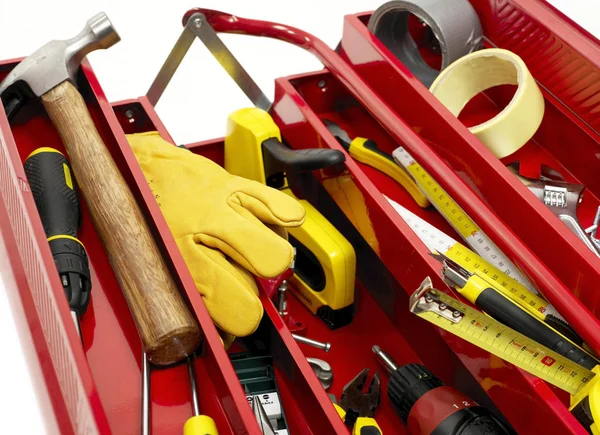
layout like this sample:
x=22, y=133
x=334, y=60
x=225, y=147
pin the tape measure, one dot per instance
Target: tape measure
x=487, y=333
x=494, y=272
x=459, y=220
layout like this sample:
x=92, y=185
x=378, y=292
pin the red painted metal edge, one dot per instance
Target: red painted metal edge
x=408, y=260
x=452, y=140
x=67, y=377
x=221, y=371
x=555, y=291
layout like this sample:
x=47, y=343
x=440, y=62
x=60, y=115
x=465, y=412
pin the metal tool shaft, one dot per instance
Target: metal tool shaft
x=192, y=374
x=75, y=318
x=145, y=395
x=385, y=359
x=282, y=298
x=314, y=343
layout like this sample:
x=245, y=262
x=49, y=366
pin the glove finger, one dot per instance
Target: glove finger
x=269, y=205
x=247, y=276
x=248, y=242
x=226, y=339
x=229, y=298
x=279, y=230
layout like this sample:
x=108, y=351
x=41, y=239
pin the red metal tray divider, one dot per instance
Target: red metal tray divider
x=574, y=311
x=515, y=25
x=301, y=389
x=406, y=258
x=80, y=405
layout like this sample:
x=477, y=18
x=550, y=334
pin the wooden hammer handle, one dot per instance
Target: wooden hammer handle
x=167, y=329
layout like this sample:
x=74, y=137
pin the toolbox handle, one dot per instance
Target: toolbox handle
x=572, y=309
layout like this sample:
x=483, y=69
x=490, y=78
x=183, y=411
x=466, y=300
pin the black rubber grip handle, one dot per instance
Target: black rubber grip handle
x=508, y=313
x=279, y=158
x=54, y=191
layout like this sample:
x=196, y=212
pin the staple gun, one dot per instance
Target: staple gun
x=325, y=264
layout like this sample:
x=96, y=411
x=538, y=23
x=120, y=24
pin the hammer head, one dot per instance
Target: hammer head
x=56, y=62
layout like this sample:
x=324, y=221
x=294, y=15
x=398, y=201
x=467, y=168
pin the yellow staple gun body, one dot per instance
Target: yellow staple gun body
x=325, y=265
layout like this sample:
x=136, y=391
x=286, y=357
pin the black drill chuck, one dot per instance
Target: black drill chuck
x=55, y=193
x=428, y=407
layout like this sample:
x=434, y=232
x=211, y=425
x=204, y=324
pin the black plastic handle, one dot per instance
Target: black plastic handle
x=508, y=313
x=55, y=193
x=52, y=184
x=279, y=159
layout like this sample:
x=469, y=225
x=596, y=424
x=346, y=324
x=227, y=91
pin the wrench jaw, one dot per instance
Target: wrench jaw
x=562, y=199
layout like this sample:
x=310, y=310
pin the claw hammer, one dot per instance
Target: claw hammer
x=167, y=329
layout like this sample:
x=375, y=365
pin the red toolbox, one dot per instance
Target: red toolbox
x=97, y=389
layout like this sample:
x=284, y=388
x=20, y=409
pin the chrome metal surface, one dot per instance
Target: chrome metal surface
x=75, y=318
x=425, y=299
x=193, y=386
x=322, y=371
x=145, y=395
x=58, y=61
x=314, y=343
x=198, y=26
x=385, y=359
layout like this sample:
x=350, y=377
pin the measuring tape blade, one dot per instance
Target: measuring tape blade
x=459, y=220
x=483, y=331
x=438, y=241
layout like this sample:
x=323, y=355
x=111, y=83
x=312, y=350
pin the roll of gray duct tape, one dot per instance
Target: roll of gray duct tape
x=454, y=23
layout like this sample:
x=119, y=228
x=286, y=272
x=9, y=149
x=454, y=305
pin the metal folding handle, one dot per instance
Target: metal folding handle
x=220, y=22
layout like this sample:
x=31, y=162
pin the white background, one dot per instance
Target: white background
x=194, y=107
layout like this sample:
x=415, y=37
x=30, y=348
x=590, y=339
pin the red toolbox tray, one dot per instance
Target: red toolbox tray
x=309, y=131
x=564, y=60
x=98, y=389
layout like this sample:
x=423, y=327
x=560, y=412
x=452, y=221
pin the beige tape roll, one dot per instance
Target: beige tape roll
x=465, y=78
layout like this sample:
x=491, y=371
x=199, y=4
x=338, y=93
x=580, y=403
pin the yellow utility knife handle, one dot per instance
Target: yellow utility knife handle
x=366, y=151
x=200, y=425
x=366, y=426
x=496, y=305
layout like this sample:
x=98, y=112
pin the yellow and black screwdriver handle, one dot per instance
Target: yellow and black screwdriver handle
x=366, y=151
x=325, y=264
x=482, y=294
x=55, y=193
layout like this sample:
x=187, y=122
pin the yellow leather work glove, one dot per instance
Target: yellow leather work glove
x=219, y=223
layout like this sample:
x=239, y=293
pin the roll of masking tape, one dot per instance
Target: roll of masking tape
x=518, y=121
x=454, y=23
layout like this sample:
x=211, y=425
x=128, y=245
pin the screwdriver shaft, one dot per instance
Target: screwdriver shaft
x=192, y=374
x=75, y=318
x=145, y=395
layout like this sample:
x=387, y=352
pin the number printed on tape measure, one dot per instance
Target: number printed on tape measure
x=500, y=340
x=445, y=205
x=461, y=222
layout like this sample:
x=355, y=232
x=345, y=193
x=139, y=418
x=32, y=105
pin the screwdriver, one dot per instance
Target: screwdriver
x=55, y=194
x=366, y=151
x=427, y=406
x=198, y=424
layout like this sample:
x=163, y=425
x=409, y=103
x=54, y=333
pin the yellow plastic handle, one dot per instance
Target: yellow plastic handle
x=366, y=151
x=366, y=426
x=340, y=411
x=200, y=425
